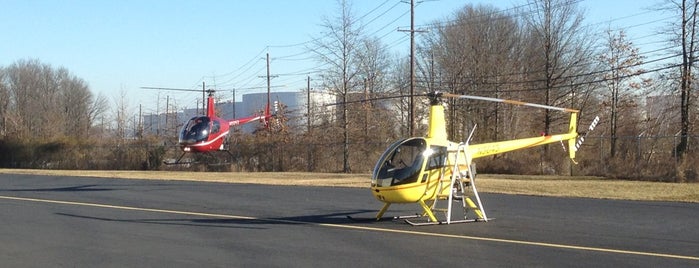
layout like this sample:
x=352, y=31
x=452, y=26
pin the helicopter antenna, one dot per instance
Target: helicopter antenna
x=471, y=134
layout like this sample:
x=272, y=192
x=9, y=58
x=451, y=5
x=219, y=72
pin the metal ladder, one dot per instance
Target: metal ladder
x=460, y=181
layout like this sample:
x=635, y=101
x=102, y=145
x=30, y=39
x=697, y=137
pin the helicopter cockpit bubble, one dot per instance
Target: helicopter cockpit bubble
x=401, y=163
x=196, y=130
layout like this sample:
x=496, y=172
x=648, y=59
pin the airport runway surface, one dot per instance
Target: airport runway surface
x=92, y=222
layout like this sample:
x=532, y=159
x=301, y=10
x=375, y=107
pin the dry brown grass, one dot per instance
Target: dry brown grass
x=593, y=187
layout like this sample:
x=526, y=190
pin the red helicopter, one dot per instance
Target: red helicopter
x=208, y=133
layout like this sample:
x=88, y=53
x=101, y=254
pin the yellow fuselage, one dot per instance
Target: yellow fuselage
x=425, y=185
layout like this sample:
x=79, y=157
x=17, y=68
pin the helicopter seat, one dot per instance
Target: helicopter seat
x=410, y=173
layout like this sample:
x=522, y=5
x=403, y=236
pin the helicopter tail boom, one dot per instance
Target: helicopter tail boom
x=492, y=148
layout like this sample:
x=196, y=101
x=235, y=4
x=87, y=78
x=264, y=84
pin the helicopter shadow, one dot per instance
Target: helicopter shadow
x=173, y=222
x=251, y=223
x=78, y=188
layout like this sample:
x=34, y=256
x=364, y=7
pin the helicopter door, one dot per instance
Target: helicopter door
x=216, y=127
x=401, y=163
x=196, y=130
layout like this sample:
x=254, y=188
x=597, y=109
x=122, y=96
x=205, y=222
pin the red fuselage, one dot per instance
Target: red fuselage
x=203, y=134
x=207, y=133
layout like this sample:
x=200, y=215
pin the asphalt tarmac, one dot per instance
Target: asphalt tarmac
x=49, y=221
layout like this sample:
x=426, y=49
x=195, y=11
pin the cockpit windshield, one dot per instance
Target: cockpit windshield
x=196, y=130
x=401, y=163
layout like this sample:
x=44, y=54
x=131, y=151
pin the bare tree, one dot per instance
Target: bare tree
x=560, y=50
x=121, y=117
x=477, y=52
x=374, y=64
x=21, y=82
x=44, y=114
x=98, y=107
x=684, y=33
x=374, y=68
x=623, y=64
x=4, y=102
x=338, y=48
x=400, y=81
x=42, y=100
x=75, y=101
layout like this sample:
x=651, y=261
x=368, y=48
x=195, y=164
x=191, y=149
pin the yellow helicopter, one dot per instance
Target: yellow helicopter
x=431, y=170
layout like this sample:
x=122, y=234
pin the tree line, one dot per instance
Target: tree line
x=541, y=52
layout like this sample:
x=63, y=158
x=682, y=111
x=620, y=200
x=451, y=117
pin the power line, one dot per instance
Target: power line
x=517, y=11
x=591, y=74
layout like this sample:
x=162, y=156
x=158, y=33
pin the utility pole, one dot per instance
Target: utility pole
x=411, y=114
x=203, y=98
x=308, y=103
x=167, y=113
x=412, y=67
x=269, y=80
x=309, y=149
x=157, y=112
x=366, y=109
x=140, y=121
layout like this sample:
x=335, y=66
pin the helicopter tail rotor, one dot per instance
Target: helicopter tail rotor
x=276, y=108
x=266, y=119
x=574, y=145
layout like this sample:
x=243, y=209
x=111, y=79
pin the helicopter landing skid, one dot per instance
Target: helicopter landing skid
x=178, y=162
x=367, y=219
x=444, y=222
x=395, y=218
x=405, y=217
x=207, y=160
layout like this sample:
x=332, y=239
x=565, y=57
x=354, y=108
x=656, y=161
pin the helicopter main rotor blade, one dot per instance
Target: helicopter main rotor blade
x=208, y=90
x=375, y=99
x=514, y=102
x=175, y=89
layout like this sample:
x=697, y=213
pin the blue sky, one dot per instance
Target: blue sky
x=120, y=46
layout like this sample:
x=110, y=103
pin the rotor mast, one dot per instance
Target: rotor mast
x=437, y=130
